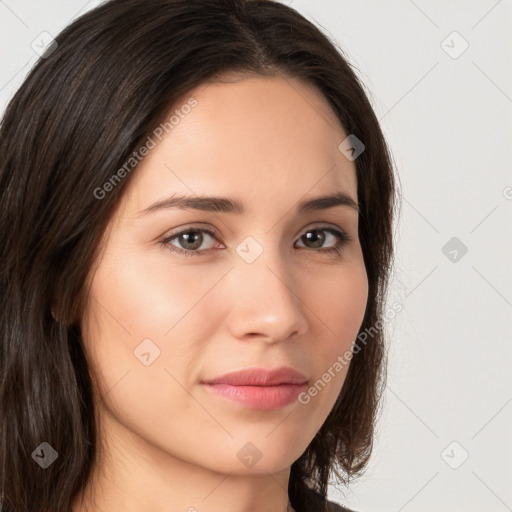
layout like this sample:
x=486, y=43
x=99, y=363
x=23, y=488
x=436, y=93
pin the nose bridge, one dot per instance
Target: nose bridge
x=266, y=300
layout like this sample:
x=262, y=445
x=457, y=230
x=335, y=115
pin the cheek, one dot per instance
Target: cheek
x=146, y=294
x=131, y=308
x=139, y=304
x=339, y=298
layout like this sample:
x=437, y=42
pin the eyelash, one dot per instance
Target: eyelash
x=343, y=238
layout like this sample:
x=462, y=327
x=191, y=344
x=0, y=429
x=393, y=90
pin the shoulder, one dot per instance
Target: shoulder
x=319, y=503
x=330, y=506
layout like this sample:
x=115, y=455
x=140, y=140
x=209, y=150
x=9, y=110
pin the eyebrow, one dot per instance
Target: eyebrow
x=229, y=205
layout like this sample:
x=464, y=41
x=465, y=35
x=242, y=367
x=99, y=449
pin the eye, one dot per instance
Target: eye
x=311, y=236
x=190, y=240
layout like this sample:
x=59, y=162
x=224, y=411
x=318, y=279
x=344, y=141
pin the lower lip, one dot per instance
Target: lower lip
x=263, y=398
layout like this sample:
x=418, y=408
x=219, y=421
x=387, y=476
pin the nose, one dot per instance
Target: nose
x=266, y=299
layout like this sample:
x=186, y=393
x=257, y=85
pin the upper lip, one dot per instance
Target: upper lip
x=260, y=377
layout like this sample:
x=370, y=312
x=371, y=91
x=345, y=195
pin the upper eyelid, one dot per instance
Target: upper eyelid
x=214, y=231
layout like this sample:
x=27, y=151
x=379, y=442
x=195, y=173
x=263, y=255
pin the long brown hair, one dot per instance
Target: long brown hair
x=84, y=108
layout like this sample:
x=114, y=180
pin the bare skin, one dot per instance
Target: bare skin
x=167, y=444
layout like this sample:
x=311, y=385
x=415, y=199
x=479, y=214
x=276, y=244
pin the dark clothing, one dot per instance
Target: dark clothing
x=318, y=503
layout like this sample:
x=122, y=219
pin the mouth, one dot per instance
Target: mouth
x=259, y=388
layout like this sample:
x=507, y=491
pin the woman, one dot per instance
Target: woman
x=134, y=376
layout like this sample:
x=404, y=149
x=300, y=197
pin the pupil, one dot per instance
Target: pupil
x=316, y=238
x=195, y=244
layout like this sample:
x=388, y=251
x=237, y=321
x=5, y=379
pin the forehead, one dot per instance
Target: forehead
x=268, y=141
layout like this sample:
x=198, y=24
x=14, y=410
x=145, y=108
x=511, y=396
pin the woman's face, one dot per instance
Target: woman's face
x=261, y=291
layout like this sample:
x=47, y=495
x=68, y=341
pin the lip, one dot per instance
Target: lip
x=260, y=377
x=258, y=388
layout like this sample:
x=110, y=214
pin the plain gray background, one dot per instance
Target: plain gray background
x=439, y=76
